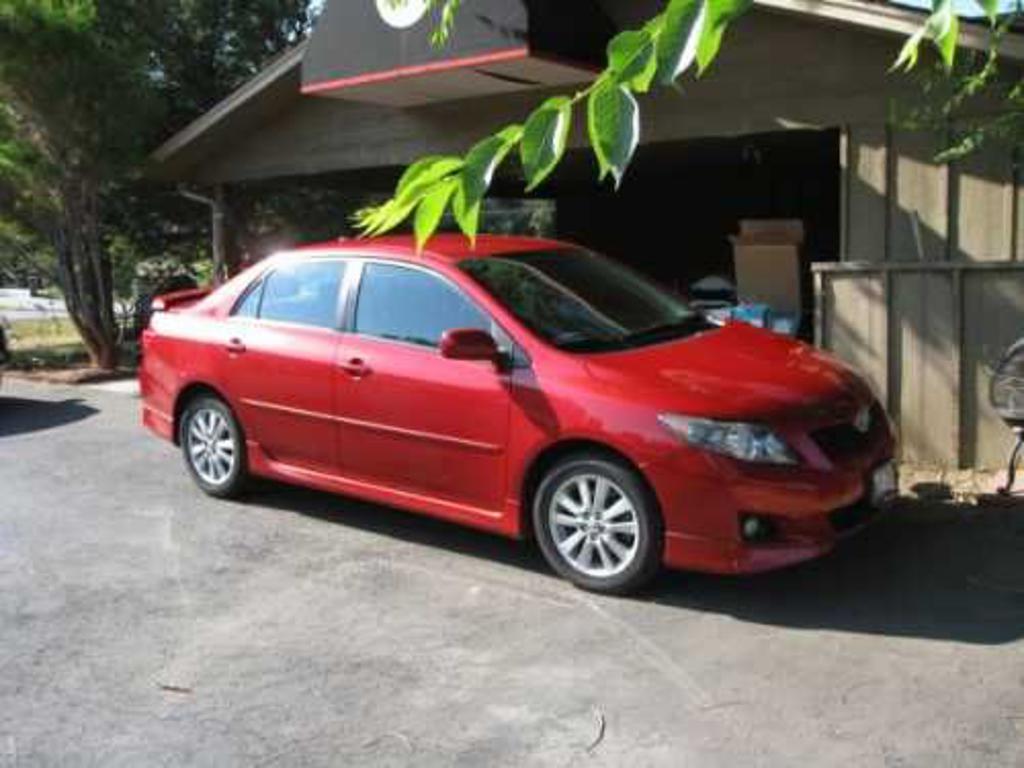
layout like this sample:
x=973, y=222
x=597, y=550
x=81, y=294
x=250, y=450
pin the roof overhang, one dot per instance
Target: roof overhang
x=267, y=93
x=524, y=55
x=885, y=17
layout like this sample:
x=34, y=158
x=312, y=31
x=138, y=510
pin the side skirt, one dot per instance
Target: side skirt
x=483, y=519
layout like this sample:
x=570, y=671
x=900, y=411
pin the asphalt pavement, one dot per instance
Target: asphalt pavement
x=142, y=623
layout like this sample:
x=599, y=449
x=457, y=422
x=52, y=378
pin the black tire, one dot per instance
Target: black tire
x=233, y=482
x=648, y=547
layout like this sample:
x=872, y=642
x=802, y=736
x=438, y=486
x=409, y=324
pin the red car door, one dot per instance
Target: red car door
x=281, y=363
x=408, y=418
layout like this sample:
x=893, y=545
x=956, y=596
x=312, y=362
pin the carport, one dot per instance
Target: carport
x=794, y=122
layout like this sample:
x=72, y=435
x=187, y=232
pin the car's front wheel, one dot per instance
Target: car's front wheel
x=214, y=447
x=598, y=524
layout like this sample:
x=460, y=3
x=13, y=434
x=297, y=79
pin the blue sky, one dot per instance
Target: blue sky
x=963, y=7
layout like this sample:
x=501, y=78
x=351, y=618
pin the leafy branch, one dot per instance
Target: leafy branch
x=686, y=33
x=686, y=36
x=942, y=29
x=445, y=26
x=974, y=103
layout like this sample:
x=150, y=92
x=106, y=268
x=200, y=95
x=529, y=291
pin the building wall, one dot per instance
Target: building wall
x=928, y=335
x=900, y=205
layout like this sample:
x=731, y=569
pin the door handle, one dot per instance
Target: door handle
x=235, y=347
x=356, y=368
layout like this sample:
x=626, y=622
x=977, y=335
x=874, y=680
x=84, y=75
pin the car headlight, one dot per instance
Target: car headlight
x=746, y=442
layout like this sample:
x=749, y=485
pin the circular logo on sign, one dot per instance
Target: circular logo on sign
x=402, y=14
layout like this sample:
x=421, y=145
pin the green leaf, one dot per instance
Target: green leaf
x=446, y=25
x=633, y=60
x=481, y=163
x=467, y=214
x=721, y=13
x=942, y=28
x=991, y=8
x=544, y=139
x=947, y=32
x=431, y=211
x=613, y=122
x=483, y=160
x=907, y=59
x=419, y=180
x=379, y=219
x=427, y=171
x=677, y=48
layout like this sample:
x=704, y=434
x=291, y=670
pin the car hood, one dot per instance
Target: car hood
x=738, y=372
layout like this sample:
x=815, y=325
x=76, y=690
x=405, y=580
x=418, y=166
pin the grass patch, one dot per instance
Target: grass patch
x=53, y=344
x=48, y=343
x=48, y=358
x=41, y=334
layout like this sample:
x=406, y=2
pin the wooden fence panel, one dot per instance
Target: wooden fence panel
x=932, y=337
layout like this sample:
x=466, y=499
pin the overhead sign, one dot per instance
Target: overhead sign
x=381, y=52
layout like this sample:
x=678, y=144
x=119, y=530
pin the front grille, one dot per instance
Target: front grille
x=841, y=442
x=854, y=516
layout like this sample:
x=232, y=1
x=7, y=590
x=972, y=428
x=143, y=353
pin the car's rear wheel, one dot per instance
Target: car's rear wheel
x=598, y=524
x=213, y=447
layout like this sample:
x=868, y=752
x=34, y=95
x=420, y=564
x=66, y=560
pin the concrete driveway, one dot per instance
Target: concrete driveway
x=143, y=624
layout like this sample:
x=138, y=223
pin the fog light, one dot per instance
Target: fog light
x=756, y=528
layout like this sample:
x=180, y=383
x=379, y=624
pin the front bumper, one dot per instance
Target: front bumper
x=810, y=509
x=697, y=553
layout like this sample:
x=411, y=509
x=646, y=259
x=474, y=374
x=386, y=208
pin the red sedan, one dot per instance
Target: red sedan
x=525, y=387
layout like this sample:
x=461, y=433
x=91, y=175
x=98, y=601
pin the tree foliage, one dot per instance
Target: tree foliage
x=974, y=102
x=87, y=87
x=204, y=49
x=75, y=103
x=684, y=38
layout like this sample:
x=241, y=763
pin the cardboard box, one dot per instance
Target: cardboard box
x=781, y=231
x=766, y=256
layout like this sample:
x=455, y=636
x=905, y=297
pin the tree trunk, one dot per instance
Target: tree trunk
x=85, y=271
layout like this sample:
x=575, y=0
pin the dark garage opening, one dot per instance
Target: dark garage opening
x=672, y=218
x=680, y=202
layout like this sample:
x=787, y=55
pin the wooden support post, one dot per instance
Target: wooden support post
x=223, y=253
x=219, y=230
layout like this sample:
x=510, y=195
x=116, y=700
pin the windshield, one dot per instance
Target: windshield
x=579, y=301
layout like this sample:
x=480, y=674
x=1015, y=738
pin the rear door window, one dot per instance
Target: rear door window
x=249, y=306
x=305, y=293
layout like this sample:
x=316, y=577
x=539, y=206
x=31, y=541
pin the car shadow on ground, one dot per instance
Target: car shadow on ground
x=19, y=416
x=936, y=570
x=927, y=569
x=398, y=524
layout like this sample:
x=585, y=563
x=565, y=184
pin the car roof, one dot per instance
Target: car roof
x=448, y=248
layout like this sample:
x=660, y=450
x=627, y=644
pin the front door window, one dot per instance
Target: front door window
x=412, y=306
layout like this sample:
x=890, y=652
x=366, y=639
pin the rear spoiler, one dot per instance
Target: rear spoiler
x=179, y=299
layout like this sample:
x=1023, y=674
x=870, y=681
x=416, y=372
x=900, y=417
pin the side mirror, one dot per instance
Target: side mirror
x=469, y=344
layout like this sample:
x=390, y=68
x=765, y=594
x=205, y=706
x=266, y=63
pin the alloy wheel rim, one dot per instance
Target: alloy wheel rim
x=211, y=446
x=594, y=525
